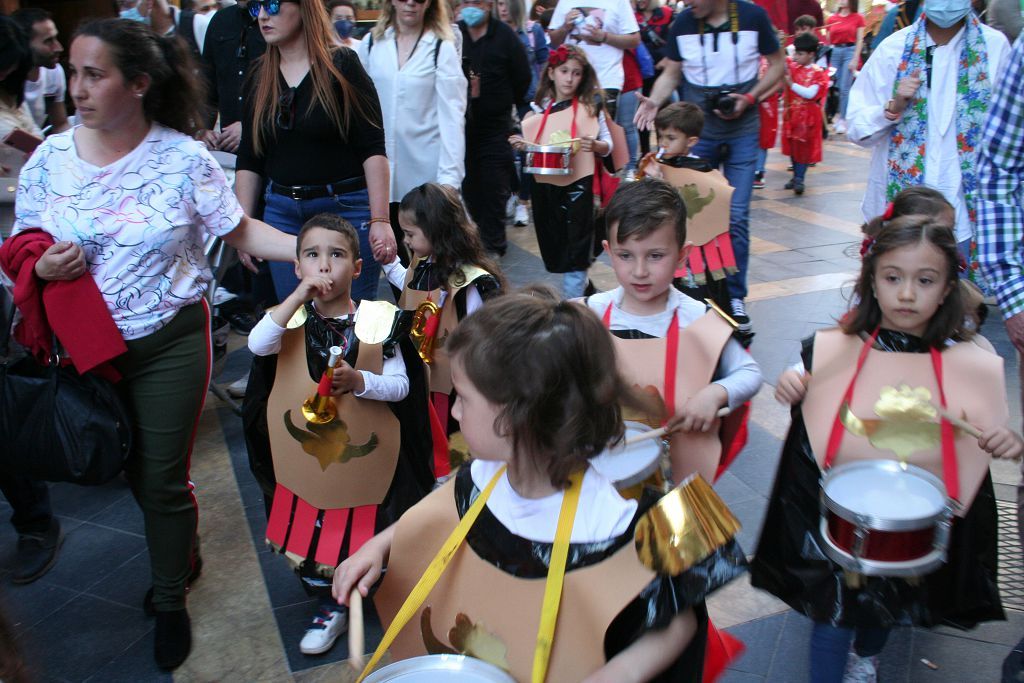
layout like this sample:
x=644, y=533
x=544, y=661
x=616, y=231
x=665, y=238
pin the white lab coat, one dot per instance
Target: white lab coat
x=868, y=127
x=424, y=111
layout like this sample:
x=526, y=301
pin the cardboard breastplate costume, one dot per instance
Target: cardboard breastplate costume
x=708, y=197
x=556, y=127
x=972, y=379
x=345, y=465
x=440, y=369
x=642, y=363
x=503, y=611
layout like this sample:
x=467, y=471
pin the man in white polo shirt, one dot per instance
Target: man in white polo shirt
x=46, y=84
x=604, y=29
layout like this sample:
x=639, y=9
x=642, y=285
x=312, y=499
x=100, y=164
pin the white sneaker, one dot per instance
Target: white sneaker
x=739, y=314
x=326, y=628
x=839, y=127
x=510, y=206
x=522, y=215
x=237, y=388
x=860, y=669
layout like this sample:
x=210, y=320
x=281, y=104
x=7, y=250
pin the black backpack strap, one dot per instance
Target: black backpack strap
x=437, y=50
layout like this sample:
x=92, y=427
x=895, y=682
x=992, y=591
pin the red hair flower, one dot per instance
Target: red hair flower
x=865, y=246
x=887, y=216
x=558, y=56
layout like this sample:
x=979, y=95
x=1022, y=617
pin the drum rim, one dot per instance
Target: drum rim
x=549, y=149
x=440, y=663
x=636, y=477
x=873, y=522
x=920, y=566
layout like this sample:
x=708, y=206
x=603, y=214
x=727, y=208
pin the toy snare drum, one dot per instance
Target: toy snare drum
x=880, y=518
x=633, y=467
x=548, y=160
x=440, y=669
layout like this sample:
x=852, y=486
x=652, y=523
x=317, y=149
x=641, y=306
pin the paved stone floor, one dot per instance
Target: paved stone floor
x=83, y=621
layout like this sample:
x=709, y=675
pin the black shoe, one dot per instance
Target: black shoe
x=172, y=639
x=759, y=181
x=36, y=553
x=790, y=185
x=798, y=186
x=240, y=320
x=738, y=312
x=197, y=570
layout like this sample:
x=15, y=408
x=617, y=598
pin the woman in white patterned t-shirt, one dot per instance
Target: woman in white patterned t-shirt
x=131, y=199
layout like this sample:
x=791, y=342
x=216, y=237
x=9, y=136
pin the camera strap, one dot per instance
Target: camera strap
x=734, y=33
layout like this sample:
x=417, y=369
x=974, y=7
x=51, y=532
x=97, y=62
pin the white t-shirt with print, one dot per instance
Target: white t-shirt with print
x=52, y=84
x=614, y=16
x=142, y=221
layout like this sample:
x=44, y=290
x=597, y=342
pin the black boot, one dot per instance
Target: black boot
x=172, y=640
x=36, y=553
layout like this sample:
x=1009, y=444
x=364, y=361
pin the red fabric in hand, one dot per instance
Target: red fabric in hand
x=72, y=310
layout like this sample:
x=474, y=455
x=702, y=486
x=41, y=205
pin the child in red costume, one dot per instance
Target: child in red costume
x=806, y=89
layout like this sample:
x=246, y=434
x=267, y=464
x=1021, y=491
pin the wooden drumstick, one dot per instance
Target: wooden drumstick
x=959, y=423
x=356, y=637
x=662, y=431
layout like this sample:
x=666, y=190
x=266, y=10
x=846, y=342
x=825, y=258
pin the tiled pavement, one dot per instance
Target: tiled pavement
x=83, y=621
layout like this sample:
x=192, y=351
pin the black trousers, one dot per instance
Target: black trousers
x=488, y=184
x=30, y=500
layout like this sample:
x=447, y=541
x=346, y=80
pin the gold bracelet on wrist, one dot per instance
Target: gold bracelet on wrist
x=378, y=219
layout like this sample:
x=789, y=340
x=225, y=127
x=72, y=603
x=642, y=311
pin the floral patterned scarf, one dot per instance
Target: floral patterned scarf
x=907, y=142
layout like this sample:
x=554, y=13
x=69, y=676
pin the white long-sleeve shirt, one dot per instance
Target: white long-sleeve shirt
x=738, y=373
x=391, y=385
x=868, y=127
x=395, y=273
x=424, y=110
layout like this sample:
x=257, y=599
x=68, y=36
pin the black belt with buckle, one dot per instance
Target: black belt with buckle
x=318, y=191
x=844, y=44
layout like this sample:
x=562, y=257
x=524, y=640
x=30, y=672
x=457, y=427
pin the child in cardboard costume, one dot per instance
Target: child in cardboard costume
x=336, y=483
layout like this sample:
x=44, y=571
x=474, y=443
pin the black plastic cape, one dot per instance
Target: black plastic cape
x=654, y=608
x=791, y=564
x=413, y=476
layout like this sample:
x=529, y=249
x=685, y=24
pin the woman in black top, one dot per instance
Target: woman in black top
x=312, y=137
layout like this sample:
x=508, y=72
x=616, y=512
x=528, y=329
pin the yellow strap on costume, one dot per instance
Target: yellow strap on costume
x=431, y=576
x=556, y=576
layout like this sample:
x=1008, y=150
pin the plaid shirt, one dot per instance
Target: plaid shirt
x=1000, y=230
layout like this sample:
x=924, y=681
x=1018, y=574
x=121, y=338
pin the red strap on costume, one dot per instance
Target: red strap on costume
x=671, y=359
x=364, y=521
x=950, y=473
x=544, y=120
x=722, y=649
x=332, y=534
x=439, y=412
x=303, y=523
x=280, y=515
x=835, y=437
x=733, y=434
x=711, y=257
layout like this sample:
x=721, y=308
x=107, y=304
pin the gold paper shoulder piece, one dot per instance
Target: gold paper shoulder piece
x=297, y=320
x=725, y=316
x=683, y=528
x=464, y=275
x=375, y=320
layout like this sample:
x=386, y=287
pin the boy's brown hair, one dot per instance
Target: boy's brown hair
x=334, y=223
x=637, y=209
x=686, y=117
x=549, y=367
x=805, y=21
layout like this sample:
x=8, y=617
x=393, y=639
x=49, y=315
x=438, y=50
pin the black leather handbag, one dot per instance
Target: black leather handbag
x=55, y=424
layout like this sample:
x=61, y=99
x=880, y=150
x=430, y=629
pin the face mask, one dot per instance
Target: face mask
x=473, y=16
x=945, y=13
x=133, y=14
x=344, y=27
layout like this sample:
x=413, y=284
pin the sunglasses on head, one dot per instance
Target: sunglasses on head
x=272, y=6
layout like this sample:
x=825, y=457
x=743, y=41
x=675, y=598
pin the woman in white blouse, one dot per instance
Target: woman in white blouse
x=414, y=61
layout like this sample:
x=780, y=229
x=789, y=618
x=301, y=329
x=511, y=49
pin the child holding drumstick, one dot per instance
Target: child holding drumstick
x=906, y=328
x=570, y=112
x=536, y=403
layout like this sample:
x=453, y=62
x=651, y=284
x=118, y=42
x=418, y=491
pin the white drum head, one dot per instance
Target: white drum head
x=628, y=465
x=884, y=492
x=440, y=669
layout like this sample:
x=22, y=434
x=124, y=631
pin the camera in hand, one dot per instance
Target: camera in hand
x=652, y=39
x=720, y=99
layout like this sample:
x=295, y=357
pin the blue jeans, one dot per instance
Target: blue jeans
x=799, y=171
x=738, y=159
x=288, y=215
x=762, y=160
x=830, y=646
x=624, y=117
x=841, y=58
x=574, y=283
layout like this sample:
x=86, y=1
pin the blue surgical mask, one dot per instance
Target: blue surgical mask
x=344, y=27
x=945, y=13
x=133, y=14
x=473, y=16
